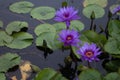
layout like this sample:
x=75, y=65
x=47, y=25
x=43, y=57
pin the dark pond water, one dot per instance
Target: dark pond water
x=32, y=53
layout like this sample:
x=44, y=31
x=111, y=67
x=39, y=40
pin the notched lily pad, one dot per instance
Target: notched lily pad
x=45, y=32
x=5, y=38
x=102, y=3
x=16, y=26
x=21, y=7
x=8, y=61
x=98, y=11
x=43, y=13
x=21, y=40
x=112, y=76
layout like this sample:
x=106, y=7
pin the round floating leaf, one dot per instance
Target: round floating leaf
x=21, y=7
x=90, y=74
x=49, y=74
x=102, y=3
x=5, y=38
x=1, y=23
x=77, y=25
x=2, y=76
x=98, y=11
x=113, y=7
x=21, y=40
x=16, y=26
x=112, y=46
x=59, y=26
x=112, y=76
x=43, y=13
x=45, y=32
x=8, y=61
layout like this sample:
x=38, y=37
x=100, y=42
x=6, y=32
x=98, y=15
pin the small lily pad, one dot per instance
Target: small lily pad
x=21, y=40
x=98, y=11
x=8, y=61
x=1, y=23
x=21, y=7
x=43, y=13
x=5, y=38
x=59, y=26
x=102, y=3
x=16, y=26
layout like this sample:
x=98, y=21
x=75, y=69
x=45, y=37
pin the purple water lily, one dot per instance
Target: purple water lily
x=89, y=52
x=69, y=37
x=66, y=14
x=116, y=9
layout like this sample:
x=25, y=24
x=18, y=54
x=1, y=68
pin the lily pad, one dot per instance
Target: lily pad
x=5, y=38
x=45, y=32
x=8, y=61
x=16, y=26
x=59, y=26
x=77, y=25
x=43, y=13
x=102, y=3
x=50, y=73
x=1, y=23
x=112, y=76
x=21, y=40
x=2, y=76
x=98, y=11
x=21, y=7
x=90, y=74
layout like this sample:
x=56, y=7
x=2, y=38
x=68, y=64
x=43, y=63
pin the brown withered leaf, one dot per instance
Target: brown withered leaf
x=25, y=69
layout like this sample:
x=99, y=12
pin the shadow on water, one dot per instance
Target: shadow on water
x=43, y=56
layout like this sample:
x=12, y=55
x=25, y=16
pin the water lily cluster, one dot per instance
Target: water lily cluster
x=88, y=52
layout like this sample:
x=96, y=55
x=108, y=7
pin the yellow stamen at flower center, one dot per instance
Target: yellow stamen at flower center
x=89, y=54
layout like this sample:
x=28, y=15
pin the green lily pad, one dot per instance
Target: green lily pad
x=77, y=25
x=112, y=76
x=102, y=3
x=5, y=38
x=21, y=40
x=2, y=76
x=1, y=23
x=21, y=7
x=49, y=74
x=98, y=11
x=90, y=74
x=112, y=66
x=8, y=61
x=16, y=26
x=59, y=26
x=43, y=13
x=45, y=32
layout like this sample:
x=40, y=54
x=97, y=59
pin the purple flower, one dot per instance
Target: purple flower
x=116, y=9
x=89, y=52
x=69, y=37
x=66, y=14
